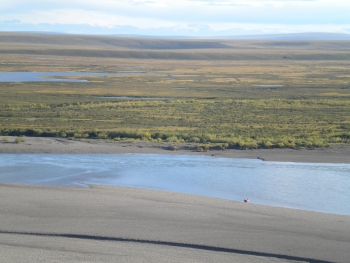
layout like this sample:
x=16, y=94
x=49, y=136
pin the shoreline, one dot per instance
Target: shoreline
x=105, y=223
x=332, y=154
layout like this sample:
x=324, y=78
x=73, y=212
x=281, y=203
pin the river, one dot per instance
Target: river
x=307, y=186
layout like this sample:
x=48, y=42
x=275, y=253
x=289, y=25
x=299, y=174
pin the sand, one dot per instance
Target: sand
x=333, y=154
x=118, y=224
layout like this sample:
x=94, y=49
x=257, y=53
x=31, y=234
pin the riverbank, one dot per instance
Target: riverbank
x=332, y=154
x=109, y=224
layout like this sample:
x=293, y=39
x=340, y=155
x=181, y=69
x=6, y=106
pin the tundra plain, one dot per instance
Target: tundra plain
x=240, y=94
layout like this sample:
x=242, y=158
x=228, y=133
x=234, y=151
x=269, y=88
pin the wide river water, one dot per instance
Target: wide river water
x=316, y=187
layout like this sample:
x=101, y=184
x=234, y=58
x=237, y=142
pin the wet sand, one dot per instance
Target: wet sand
x=118, y=224
x=333, y=154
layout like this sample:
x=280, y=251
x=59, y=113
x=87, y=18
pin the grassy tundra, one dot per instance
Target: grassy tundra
x=222, y=93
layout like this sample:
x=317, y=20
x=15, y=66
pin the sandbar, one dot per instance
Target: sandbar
x=332, y=154
x=119, y=224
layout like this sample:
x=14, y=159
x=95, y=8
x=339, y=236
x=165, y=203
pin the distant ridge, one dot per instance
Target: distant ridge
x=290, y=36
x=177, y=49
x=121, y=42
x=294, y=36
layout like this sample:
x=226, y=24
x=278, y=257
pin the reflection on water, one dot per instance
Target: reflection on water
x=268, y=86
x=52, y=76
x=132, y=98
x=317, y=187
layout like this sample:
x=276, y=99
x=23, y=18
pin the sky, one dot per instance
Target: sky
x=176, y=17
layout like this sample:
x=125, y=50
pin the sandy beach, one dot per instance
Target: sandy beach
x=119, y=224
x=116, y=224
x=332, y=154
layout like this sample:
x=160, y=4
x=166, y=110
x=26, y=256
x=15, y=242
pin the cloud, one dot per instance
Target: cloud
x=181, y=16
x=93, y=18
x=184, y=29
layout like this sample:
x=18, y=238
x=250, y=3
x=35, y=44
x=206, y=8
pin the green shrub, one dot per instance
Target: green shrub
x=102, y=135
x=267, y=144
x=172, y=139
x=19, y=140
x=280, y=145
x=194, y=139
x=77, y=135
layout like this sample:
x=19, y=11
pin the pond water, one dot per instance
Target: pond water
x=316, y=187
x=132, y=98
x=53, y=76
x=268, y=86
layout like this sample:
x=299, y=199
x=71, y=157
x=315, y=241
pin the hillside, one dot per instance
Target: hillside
x=296, y=36
x=176, y=49
x=107, y=42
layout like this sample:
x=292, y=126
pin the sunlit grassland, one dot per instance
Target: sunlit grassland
x=266, y=97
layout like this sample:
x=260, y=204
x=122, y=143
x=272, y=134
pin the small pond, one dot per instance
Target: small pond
x=268, y=86
x=54, y=76
x=132, y=98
